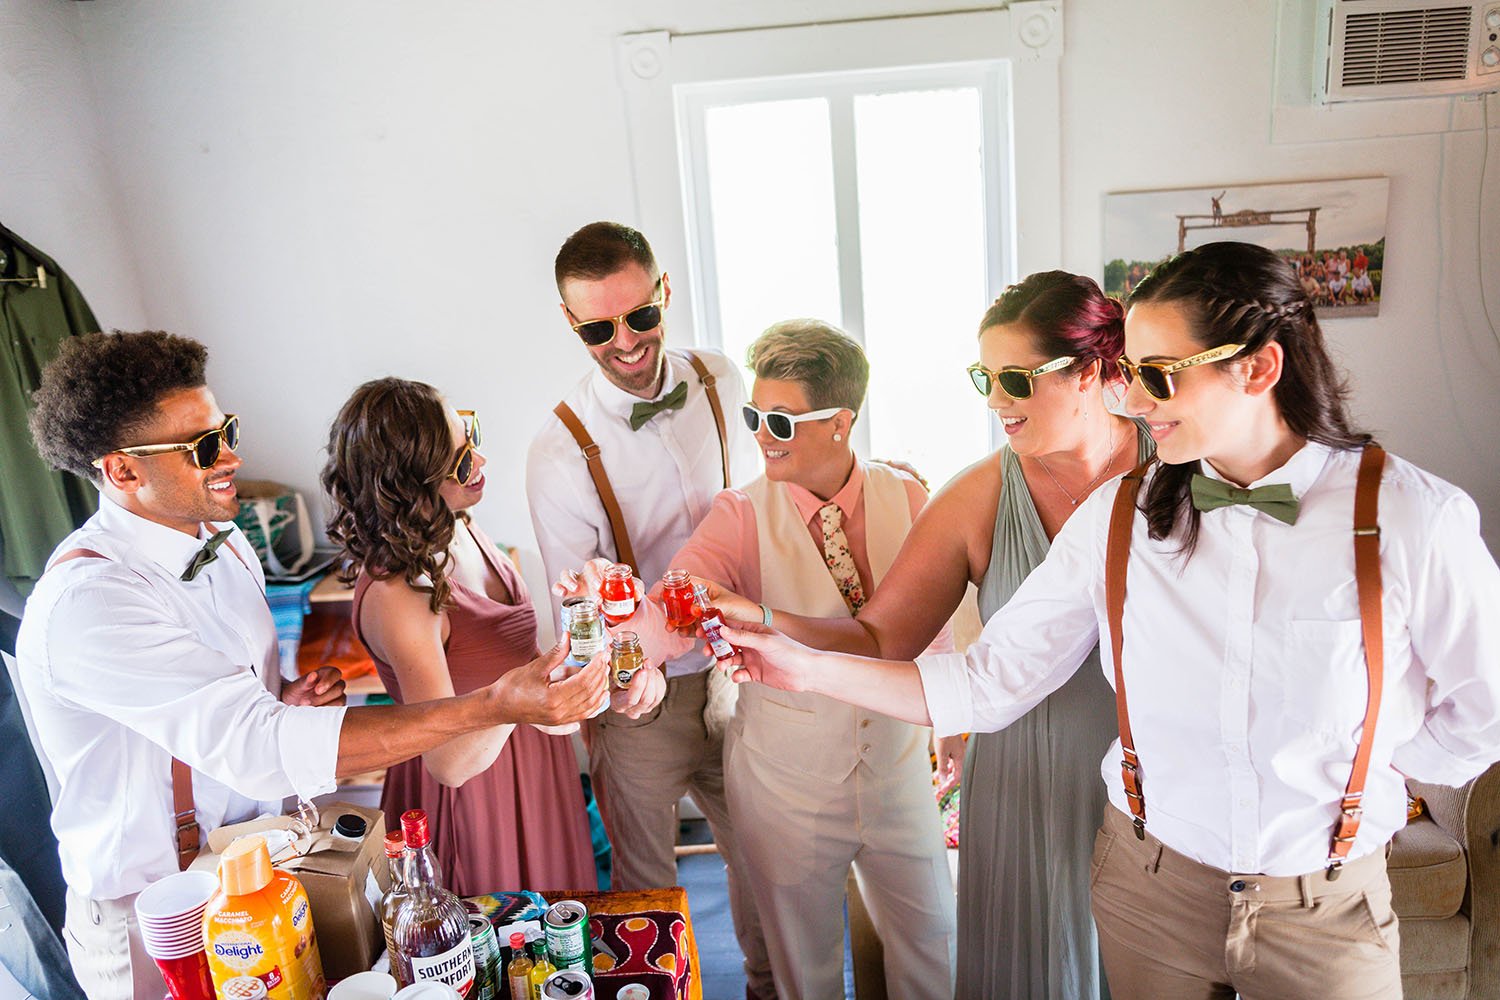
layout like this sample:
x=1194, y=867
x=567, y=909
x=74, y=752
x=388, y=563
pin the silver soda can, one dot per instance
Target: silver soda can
x=568, y=984
x=567, y=929
x=486, y=958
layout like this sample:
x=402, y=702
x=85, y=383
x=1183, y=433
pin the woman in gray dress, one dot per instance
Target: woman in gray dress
x=1032, y=794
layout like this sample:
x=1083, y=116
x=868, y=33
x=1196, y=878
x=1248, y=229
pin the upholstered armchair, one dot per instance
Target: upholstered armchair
x=1445, y=886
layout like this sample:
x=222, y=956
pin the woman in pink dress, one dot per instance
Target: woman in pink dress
x=442, y=613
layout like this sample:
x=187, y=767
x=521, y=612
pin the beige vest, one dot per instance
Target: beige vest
x=808, y=732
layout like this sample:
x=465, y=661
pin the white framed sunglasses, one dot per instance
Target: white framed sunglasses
x=783, y=426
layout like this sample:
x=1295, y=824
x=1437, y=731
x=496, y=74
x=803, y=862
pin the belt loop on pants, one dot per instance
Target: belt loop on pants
x=1305, y=883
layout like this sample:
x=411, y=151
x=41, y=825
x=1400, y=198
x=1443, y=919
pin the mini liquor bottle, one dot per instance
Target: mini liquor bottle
x=711, y=619
x=617, y=594
x=432, y=927
x=625, y=658
x=677, y=598
x=518, y=972
x=585, y=629
x=395, y=853
x=541, y=967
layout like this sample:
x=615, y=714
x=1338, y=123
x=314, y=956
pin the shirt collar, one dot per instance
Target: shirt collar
x=808, y=503
x=618, y=403
x=169, y=548
x=1299, y=472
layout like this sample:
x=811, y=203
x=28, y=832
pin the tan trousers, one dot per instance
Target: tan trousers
x=801, y=836
x=106, y=952
x=1170, y=927
x=642, y=767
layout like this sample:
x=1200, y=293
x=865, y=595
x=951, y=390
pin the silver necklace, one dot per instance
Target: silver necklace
x=1108, y=461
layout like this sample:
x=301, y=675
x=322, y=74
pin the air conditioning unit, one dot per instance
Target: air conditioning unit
x=1382, y=49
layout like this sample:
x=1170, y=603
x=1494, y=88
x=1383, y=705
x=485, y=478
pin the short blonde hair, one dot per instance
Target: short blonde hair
x=829, y=364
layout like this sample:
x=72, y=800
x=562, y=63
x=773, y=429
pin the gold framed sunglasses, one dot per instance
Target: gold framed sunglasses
x=641, y=319
x=1014, y=382
x=1156, y=376
x=205, y=449
x=463, y=466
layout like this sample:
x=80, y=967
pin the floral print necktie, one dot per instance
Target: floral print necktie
x=838, y=557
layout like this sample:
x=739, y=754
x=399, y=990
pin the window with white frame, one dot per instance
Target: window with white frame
x=875, y=200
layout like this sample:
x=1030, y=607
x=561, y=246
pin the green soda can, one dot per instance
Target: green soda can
x=486, y=958
x=567, y=929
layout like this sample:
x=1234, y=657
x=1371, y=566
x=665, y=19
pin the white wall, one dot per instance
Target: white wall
x=328, y=192
x=56, y=191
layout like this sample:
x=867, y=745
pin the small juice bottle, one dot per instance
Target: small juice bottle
x=711, y=619
x=518, y=972
x=541, y=968
x=259, y=926
x=677, y=598
x=617, y=594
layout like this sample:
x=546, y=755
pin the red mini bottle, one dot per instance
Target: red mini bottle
x=711, y=619
x=617, y=594
x=677, y=598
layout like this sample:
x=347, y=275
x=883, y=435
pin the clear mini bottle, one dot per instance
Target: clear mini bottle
x=395, y=854
x=625, y=658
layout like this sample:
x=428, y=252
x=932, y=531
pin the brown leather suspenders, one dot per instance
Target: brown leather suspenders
x=708, y=380
x=1116, y=559
x=184, y=813
x=184, y=816
x=1367, y=580
x=625, y=553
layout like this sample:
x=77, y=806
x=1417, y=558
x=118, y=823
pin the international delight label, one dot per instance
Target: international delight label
x=454, y=967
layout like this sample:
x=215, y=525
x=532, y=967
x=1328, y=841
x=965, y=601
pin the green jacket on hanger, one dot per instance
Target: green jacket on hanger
x=38, y=507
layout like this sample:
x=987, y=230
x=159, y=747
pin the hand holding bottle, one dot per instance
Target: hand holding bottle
x=767, y=656
x=529, y=694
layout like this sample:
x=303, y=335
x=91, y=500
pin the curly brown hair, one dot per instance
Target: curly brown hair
x=389, y=451
x=102, y=388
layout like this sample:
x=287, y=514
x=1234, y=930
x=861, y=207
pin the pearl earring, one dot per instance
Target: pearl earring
x=838, y=437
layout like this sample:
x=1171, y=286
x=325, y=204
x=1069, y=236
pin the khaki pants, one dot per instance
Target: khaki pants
x=642, y=767
x=106, y=952
x=1172, y=927
x=801, y=835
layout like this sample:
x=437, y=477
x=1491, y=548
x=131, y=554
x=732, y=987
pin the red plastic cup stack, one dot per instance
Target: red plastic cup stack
x=170, y=914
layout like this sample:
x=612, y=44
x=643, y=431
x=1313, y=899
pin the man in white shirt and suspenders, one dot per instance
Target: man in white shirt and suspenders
x=625, y=469
x=149, y=657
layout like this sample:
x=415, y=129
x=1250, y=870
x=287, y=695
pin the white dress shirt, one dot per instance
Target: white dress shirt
x=664, y=475
x=1244, y=664
x=126, y=666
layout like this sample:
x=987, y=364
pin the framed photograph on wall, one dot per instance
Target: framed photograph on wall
x=1332, y=231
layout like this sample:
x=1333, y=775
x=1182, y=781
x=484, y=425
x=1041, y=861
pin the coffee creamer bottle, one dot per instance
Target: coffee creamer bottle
x=258, y=929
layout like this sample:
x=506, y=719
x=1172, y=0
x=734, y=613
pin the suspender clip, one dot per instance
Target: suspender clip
x=1335, y=870
x=591, y=451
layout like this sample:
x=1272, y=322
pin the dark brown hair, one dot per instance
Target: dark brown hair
x=102, y=388
x=600, y=249
x=389, y=451
x=1239, y=293
x=1066, y=315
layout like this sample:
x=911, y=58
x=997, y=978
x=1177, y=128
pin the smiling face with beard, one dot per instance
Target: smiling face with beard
x=633, y=361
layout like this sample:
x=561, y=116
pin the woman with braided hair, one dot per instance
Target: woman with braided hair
x=1294, y=621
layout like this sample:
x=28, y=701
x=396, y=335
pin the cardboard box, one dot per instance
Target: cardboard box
x=344, y=882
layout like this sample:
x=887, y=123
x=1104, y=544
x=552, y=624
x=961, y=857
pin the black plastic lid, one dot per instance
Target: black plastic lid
x=351, y=825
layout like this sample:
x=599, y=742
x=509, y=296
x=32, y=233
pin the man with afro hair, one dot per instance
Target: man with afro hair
x=149, y=657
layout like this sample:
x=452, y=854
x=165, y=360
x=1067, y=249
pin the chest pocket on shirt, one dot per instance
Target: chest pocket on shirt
x=1325, y=684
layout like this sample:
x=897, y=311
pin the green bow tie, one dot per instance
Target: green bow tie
x=205, y=555
x=1278, y=500
x=642, y=412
